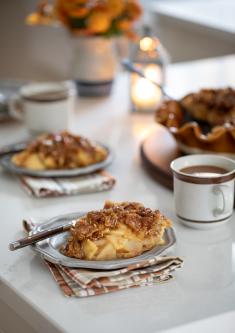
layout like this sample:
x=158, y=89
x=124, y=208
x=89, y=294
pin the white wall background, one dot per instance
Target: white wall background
x=30, y=52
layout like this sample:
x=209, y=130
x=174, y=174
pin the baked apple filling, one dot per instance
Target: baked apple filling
x=119, y=230
x=59, y=151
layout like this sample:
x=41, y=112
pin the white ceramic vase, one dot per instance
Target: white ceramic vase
x=93, y=65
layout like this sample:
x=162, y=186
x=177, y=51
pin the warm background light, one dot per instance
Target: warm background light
x=144, y=94
x=153, y=72
x=147, y=44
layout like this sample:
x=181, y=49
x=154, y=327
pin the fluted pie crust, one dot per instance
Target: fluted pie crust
x=119, y=230
x=59, y=151
x=185, y=119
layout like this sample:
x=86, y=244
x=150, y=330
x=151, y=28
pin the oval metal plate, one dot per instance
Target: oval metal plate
x=5, y=161
x=50, y=248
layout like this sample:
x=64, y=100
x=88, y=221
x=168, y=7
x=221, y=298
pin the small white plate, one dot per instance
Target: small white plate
x=50, y=248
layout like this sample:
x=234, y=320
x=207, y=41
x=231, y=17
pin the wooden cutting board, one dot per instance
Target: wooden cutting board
x=157, y=152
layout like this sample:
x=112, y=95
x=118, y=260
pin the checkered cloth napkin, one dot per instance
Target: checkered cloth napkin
x=54, y=187
x=78, y=282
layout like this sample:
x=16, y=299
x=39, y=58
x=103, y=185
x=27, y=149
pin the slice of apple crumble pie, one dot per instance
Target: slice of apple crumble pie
x=59, y=151
x=119, y=230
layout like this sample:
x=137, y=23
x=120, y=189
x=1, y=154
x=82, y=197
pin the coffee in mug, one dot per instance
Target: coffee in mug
x=204, y=171
x=203, y=189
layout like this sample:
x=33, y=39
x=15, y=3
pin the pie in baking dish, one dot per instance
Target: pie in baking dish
x=203, y=121
x=214, y=106
x=119, y=230
x=59, y=151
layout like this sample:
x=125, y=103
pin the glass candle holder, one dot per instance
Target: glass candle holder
x=151, y=58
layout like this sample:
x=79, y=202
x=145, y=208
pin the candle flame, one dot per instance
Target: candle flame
x=148, y=44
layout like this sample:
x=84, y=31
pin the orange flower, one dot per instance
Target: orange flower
x=44, y=15
x=33, y=19
x=115, y=7
x=78, y=12
x=124, y=25
x=133, y=10
x=60, y=12
x=72, y=8
x=98, y=21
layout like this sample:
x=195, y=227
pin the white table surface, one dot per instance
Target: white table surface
x=204, y=288
x=213, y=14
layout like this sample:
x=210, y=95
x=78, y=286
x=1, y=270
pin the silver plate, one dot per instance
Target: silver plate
x=5, y=161
x=50, y=248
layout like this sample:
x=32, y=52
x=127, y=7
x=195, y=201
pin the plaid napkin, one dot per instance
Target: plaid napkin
x=79, y=282
x=53, y=187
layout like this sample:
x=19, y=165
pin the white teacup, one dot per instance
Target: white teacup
x=44, y=107
x=203, y=189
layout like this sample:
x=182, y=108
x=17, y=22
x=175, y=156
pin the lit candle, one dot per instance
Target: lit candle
x=144, y=94
x=154, y=73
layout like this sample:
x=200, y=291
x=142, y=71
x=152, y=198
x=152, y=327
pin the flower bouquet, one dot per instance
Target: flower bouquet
x=89, y=17
x=92, y=24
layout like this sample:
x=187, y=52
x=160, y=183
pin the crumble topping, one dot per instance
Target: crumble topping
x=214, y=106
x=123, y=229
x=133, y=215
x=61, y=150
x=220, y=99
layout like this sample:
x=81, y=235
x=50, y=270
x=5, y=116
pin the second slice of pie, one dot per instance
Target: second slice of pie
x=60, y=151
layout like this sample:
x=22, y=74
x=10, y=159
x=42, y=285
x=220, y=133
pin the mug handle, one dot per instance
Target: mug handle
x=224, y=192
x=15, y=106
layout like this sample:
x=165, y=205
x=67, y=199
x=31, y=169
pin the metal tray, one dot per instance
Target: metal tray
x=6, y=163
x=49, y=249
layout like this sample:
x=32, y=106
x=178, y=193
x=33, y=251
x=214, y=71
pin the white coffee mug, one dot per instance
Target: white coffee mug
x=44, y=107
x=203, y=201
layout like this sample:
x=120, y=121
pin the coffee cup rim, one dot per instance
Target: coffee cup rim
x=202, y=180
x=66, y=87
